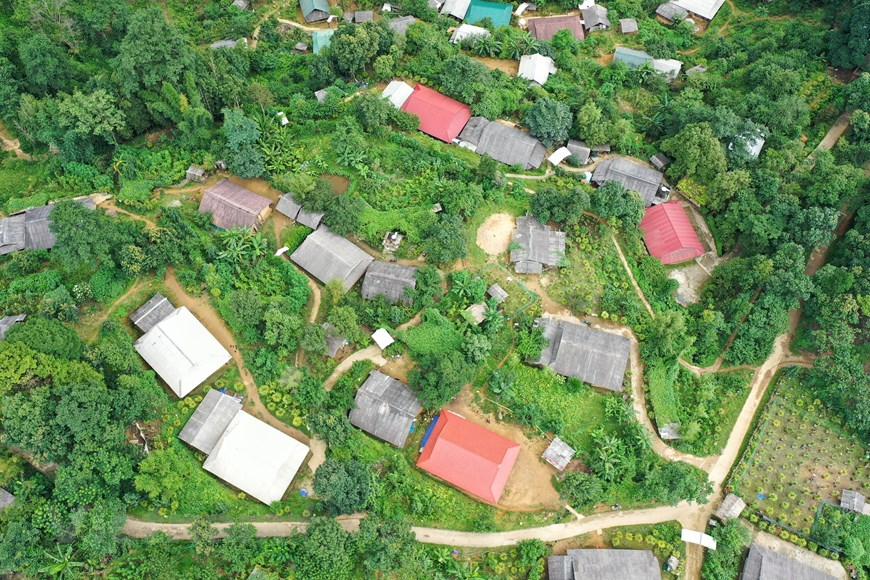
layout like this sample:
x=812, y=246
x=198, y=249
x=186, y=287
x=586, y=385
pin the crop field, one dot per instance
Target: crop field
x=799, y=456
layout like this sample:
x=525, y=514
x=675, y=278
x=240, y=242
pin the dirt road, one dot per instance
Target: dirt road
x=372, y=353
x=833, y=135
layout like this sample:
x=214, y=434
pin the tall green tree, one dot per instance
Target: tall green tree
x=549, y=120
x=696, y=152
x=243, y=154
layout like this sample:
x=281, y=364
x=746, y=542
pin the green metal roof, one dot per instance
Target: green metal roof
x=309, y=6
x=320, y=39
x=633, y=58
x=499, y=13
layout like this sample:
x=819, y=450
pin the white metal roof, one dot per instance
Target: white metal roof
x=382, y=338
x=455, y=8
x=467, y=31
x=182, y=351
x=559, y=155
x=536, y=67
x=693, y=537
x=256, y=458
x=397, y=92
x=704, y=8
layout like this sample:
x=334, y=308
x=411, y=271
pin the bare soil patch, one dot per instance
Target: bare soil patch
x=530, y=486
x=691, y=279
x=510, y=67
x=494, y=235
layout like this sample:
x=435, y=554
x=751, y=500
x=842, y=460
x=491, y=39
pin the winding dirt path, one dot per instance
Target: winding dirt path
x=93, y=326
x=203, y=310
x=372, y=353
x=110, y=205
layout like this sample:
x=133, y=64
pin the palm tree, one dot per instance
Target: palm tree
x=62, y=564
x=487, y=46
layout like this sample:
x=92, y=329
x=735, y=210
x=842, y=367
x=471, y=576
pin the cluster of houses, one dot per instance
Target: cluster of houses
x=31, y=229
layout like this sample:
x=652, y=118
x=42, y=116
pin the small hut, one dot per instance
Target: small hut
x=497, y=292
x=558, y=454
x=628, y=25
x=852, y=500
x=731, y=508
x=475, y=314
x=195, y=173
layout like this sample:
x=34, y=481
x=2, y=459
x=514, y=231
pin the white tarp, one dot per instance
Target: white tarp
x=536, y=67
x=559, y=155
x=382, y=338
x=467, y=31
x=397, y=92
x=521, y=8
x=256, y=458
x=182, y=351
x=693, y=537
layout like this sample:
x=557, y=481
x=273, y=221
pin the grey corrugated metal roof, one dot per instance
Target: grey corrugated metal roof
x=595, y=17
x=11, y=234
x=594, y=356
x=209, y=421
x=37, y=228
x=670, y=11
x=497, y=292
x=852, y=500
x=361, y=16
x=560, y=568
x=288, y=206
x=473, y=130
x=609, y=564
x=538, y=245
x=232, y=205
x=385, y=408
x=511, y=146
x=660, y=161
x=400, y=25
x=731, y=507
x=764, y=564
x=308, y=218
x=7, y=321
x=328, y=256
x=389, y=280
x=627, y=25
x=579, y=150
x=152, y=312
x=631, y=175
x=558, y=454
x=6, y=499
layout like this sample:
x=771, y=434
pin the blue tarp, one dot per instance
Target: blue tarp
x=428, y=432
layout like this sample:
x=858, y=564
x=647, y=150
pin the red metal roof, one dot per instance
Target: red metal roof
x=440, y=116
x=668, y=233
x=468, y=456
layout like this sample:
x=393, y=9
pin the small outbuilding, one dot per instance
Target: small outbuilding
x=468, y=456
x=669, y=235
x=310, y=219
x=314, y=10
x=321, y=95
x=497, y=293
x=465, y=31
x=360, y=16
x=594, y=356
x=440, y=116
x=8, y=322
x=182, y=351
x=579, y=151
x=195, y=173
x=475, y=314
x=671, y=12
x=660, y=161
x=852, y=501
x=328, y=256
x=536, y=68
x=632, y=175
x=385, y=408
x=499, y=14
x=669, y=432
x=390, y=280
x=382, y=338
x=241, y=4
x=604, y=564
x=400, y=25
x=558, y=454
x=209, y=421
x=6, y=499
x=539, y=246
x=334, y=340
x=731, y=508
x=595, y=18
x=320, y=39
x=397, y=92
x=233, y=206
x=628, y=25
x=152, y=312
x=287, y=206
x=546, y=28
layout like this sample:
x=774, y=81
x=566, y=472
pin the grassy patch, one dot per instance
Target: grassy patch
x=435, y=335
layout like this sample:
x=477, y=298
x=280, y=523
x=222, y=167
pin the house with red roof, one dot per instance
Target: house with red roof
x=440, y=116
x=468, y=456
x=668, y=233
